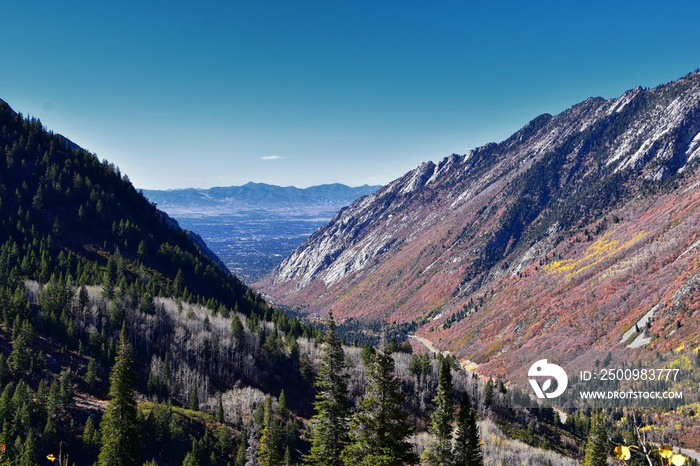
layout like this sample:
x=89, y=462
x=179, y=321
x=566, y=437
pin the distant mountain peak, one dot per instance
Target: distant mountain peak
x=254, y=195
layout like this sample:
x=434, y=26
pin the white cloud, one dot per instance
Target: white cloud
x=271, y=157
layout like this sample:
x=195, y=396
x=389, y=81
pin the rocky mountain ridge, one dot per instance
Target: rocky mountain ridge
x=492, y=253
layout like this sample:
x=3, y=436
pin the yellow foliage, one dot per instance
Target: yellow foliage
x=678, y=460
x=622, y=452
x=683, y=363
x=597, y=252
x=680, y=348
x=665, y=451
x=686, y=410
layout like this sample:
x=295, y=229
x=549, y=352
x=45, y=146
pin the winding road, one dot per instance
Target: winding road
x=427, y=343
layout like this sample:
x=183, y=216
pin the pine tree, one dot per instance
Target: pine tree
x=165, y=377
x=142, y=252
x=147, y=305
x=269, y=449
x=439, y=451
x=109, y=279
x=240, y=455
x=178, y=283
x=597, y=444
x=378, y=432
x=50, y=435
x=119, y=424
x=467, y=450
x=190, y=459
x=237, y=331
x=28, y=455
x=91, y=439
x=488, y=393
x=287, y=460
x=329, y=434
x=83, y=303
x=282, y=404
x=91, y=375
x=21, y=357
x=220, y=411
x=4, y=371
x=194, y=397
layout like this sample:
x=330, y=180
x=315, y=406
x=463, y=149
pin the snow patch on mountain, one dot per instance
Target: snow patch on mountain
x=693, y=149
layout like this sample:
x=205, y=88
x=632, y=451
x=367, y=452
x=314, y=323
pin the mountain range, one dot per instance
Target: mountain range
x=315, y=200
x=575, y=239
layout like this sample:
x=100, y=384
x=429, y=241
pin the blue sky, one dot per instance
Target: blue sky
x=301, y=93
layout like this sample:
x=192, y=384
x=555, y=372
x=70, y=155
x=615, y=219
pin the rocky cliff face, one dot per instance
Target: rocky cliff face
x=555, y=240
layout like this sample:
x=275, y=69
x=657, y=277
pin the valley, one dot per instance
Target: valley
x=252, y=244
x=253, y=227
x=124, y=339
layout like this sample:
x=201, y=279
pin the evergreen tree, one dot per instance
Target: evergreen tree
x=282, y=404
x=220, y=411
x=194, y=397
x=178, y=283
x=240, y=455
x=597, y=444
x=91, y=439
x=147, y=305
x=91, y=375
x=4, y=371
x=109, y=279
x=21, y=357
x=142, y=252
x=237, y=331
x=190, y=459
x=54, y=404
x=28, y=455
x=378, y=432
x=119, y=424
x=488, y=393
x=287, y=460
x=83, y=301
x=269, y=449
x=439, y=451
x=467, y=450
x=50, y=435
x=329, y=432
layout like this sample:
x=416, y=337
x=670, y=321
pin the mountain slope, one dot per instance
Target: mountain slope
x=67, y=212
x=83, y=253
x=553, y=242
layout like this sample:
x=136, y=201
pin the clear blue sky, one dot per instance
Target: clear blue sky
x=201, y=94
